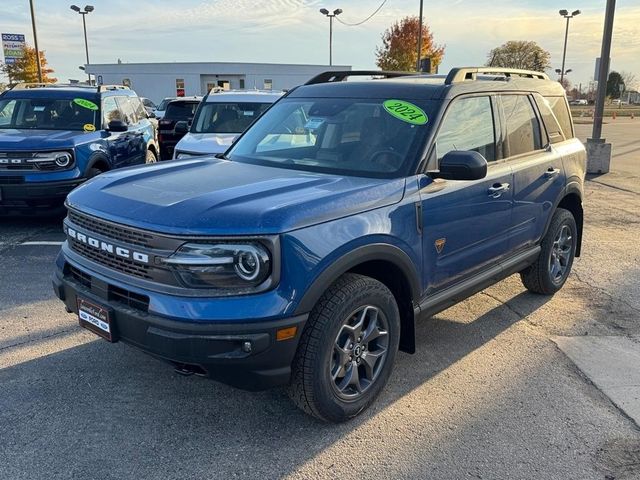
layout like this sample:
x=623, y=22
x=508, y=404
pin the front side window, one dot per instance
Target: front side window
x=468, y=125
x=347, y=136
x=232, y=117
x=110, y=110
x=128, y=110
x=523, y=128
x=48, y=113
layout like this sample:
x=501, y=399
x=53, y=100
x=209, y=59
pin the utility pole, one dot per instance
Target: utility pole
x=419, y=38
x=599, y=152
x=35, y=41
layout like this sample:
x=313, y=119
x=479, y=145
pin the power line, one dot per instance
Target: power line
x=366, y=19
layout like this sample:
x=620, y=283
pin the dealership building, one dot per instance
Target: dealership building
x=159, y=80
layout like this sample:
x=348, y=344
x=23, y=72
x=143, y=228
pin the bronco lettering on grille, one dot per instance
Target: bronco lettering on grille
x=108, y=247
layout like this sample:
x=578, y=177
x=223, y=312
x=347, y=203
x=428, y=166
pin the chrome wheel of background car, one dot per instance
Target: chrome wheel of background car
x=359, y=352
x=560, y=254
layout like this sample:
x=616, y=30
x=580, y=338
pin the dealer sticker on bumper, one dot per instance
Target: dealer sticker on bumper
x=95, y=318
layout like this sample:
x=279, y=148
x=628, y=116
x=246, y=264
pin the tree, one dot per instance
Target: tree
x=630, y=80
x=521, y=54
x=25, y=69
x=615, y=85
x=399, y=48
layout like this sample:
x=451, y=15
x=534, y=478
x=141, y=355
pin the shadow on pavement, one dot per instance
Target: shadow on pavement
x=106, y=411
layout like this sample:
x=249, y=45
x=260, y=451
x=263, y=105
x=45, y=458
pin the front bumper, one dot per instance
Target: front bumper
x=35, y=194
x=215, y=349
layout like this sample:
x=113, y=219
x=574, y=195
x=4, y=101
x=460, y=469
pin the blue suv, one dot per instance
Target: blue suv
x=304, y=255
x=54, y=137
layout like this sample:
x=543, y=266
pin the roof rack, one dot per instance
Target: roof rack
x=339, y=76
x=104, y=88
x=461, y=74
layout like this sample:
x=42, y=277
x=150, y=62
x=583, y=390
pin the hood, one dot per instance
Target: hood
x=32, y=139
x=206, y=142
x=207, y=196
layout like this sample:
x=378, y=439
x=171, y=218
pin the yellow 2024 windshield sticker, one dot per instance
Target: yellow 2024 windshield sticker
x=405, y=111
x=84, y=103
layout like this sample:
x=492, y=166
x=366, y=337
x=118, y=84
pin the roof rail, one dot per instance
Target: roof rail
x=339, y=76
x=25, y=85
x=99, y=88
x=461, y=74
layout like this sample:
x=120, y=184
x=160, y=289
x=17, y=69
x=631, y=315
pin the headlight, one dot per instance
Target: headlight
x=182, y=155
x=221, y=265
x=52, y=159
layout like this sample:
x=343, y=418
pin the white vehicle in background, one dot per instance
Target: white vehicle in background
x=162, y=107
x=220, y=119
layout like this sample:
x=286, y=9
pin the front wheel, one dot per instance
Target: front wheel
x=551, y=270
x=347, y=349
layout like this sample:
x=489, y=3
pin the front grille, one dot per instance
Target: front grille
x=130, y=299
x=117, y=263
x=115, y=232
x=11, y=180
x=79, y=276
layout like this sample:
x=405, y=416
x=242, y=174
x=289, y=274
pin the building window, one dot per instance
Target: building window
x=268, y=84
x=179, y=87
x=242, y=84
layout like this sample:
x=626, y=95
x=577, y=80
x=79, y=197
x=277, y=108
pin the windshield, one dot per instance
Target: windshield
x=233, y=117
x=361, y=137
x=49, y=114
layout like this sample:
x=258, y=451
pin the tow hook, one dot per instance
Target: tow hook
x=188, y=370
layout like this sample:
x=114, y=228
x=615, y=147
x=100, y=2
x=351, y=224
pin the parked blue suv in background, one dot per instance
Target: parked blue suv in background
x=54, y=137
x=348, y=210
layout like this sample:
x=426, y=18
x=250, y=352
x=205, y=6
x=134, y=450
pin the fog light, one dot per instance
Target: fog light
x=246, y=347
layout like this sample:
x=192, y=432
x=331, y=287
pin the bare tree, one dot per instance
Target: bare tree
x=630, y=80
x=519, y=54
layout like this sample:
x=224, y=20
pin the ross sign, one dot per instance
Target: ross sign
x=13, y=47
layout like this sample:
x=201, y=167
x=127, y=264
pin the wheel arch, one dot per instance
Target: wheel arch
x=571, y=200
x=389, y=265
x=98, y=160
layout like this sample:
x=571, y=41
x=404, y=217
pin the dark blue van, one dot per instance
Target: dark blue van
x=54, y=137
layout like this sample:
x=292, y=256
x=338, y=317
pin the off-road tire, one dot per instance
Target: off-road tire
x=150, y=157
x=311, y=387
x=537, y=278
x=92, y=172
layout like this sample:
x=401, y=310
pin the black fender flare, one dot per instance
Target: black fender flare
x=94, y=159
x=353, y=258
x=572, y=187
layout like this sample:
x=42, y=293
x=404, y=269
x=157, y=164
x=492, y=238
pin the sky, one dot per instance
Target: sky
x=293, y=31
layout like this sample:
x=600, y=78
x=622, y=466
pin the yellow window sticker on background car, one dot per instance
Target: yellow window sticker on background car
x=85, y=103
x=89, y=127
x=405, y=111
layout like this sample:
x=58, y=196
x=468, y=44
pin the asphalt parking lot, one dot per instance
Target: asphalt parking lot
x=488, y=394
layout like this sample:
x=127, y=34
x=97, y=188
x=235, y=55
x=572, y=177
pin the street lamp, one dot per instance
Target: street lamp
x=87, y=9
x=329, y=14
x=565, y=14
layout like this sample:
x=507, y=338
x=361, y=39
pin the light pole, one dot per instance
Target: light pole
x=565, y=14
x=35, y=40
x=419, y=38
x=87, y=9
x=329, y=14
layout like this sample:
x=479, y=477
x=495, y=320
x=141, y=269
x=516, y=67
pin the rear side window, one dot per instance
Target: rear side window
x=523, y=128
x=138, y=107
x=468, y=125
x=180, y=111
x=561, y=111
x=549, y=119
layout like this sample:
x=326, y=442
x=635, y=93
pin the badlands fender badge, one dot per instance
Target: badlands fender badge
x=439, y=244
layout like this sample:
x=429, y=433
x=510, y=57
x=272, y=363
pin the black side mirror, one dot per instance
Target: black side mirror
x=117, y=126
x=463, y=165
x=181, y=127
x=151, y=115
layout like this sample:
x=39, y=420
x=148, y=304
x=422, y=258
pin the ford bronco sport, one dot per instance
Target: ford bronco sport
x=54, y=137
x=304, y=255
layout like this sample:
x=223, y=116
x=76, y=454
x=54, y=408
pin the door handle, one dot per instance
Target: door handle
x=498, y=189
x=551, y=172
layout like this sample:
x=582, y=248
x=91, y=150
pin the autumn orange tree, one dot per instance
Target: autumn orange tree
x=25, y=69
x=399, y=48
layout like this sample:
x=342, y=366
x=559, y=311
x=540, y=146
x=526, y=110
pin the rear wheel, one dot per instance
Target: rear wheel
x=551, y=270
x=151, y=157
x=347, y=349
